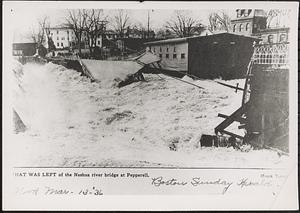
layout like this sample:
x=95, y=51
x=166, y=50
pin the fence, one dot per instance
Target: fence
x=272, y=54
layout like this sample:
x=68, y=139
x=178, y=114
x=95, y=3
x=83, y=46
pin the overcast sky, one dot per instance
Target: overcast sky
x=24, y=18
x=23, y=15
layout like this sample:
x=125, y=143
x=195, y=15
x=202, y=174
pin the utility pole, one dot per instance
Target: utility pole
x=148, y=25
x=103, y=24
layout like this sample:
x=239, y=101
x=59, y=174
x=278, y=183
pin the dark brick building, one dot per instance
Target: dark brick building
x=251, y=22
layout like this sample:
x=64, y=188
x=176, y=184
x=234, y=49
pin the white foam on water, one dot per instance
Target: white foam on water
x=68, y=116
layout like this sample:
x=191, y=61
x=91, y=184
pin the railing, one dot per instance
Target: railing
x=273, y=54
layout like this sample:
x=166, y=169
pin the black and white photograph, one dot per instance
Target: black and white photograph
x=153, y=87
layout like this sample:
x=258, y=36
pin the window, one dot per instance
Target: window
x=270, y=38
x=247, y=26
x=153, y=49
x=182, y=55
x=160, y=55
x=242, y=12
x=57, y=44
x=62, y=44
x=174, y=56
x=239, y=13
x=57, y=38
x=247, y=12
x=98, y=42
x=159, y=49
x=234, y=28
x=282, y=38
x=241, y=27
x=167, y=49
x=174, y=49
x=167, y=55
x=57, y=32
x=68, y=31
x=17, y=52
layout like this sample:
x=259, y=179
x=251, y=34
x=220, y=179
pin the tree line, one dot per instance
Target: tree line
x=93, y=22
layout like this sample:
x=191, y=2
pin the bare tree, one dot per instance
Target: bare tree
x=183, y=25
x=121, y=22
x=275, y=16
x=39, y=34
x=140, y=30
x=219, y=21
x=76, y=20
x=95, y=25
x=164, y=34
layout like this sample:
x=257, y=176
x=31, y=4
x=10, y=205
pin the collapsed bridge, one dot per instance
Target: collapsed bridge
x=119, y=72
x=264, y=111
x=263, y=114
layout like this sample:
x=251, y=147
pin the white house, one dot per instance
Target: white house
x=64, y=37
x=173, y=53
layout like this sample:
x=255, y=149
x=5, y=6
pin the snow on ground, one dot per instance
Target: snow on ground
x=73, y=122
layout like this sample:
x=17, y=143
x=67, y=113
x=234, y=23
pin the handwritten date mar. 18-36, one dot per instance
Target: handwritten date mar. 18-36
x=46, y=190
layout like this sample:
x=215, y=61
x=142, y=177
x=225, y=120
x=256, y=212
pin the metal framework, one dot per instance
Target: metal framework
x=273, y=54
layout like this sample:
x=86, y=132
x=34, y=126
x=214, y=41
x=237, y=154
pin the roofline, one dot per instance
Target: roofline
x=274, y=29
x=227, y=33
x=175, y=40
x=181, y=40
x=24, y=42
x=172, y=40
x=241, y=19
